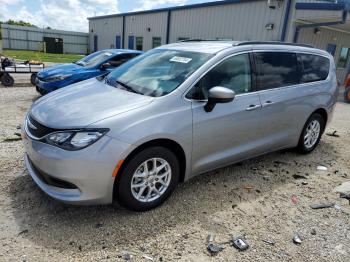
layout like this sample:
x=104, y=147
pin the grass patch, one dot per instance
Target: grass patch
x=40, y=56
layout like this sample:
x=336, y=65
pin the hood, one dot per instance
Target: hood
x=84, y=103
x=62, y=69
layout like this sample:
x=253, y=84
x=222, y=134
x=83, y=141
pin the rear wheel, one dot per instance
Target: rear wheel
x=347, y=95
x=148, y=179
x=311, y=134
x=7, y=80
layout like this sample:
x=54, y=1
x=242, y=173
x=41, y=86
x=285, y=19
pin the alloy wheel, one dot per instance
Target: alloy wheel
x=151, y=179
x=312, y=134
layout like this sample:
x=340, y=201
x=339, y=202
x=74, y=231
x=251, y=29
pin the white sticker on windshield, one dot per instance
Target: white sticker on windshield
x=180, y=59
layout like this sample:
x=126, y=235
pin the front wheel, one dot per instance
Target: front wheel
x=32, y=79
x=311, y=134
x=347, y=95
x=148, y=179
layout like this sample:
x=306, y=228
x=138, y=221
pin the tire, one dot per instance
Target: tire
x=7, y=80
x=347, y=95
x=32, y=79
x=136, y=167
x=306, y=146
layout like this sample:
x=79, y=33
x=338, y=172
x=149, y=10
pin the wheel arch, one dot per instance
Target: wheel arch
x=172, y=145
x=323, y=112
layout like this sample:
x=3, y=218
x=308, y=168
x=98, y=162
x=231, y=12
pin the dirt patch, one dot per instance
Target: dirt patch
x=264, y=199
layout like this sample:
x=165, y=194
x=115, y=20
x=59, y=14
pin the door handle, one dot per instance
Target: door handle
x=268, y=103
x=253, y=107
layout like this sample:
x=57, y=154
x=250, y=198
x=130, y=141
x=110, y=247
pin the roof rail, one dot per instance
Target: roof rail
x=201, y=40
x=191, y=40
x=270, y=43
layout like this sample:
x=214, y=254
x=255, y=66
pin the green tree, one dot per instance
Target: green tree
x=20, y=23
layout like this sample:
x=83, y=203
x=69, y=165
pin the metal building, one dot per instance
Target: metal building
x=32, y=38
x=323, y=24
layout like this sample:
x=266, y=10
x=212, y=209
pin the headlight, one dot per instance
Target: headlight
x=75, y=139
x=56, y=78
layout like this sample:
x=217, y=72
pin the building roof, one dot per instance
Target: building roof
x=184, y=7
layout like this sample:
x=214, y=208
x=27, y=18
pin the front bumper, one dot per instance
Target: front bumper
x=47, y=87
x=86, y=175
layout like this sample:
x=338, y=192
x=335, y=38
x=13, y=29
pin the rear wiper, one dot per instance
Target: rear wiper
x=129, y=88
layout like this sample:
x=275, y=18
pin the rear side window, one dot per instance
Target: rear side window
x=276, y=69
x=314, y=68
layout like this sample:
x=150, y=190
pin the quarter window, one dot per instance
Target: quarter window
x=156, y=41
x=139, y=43
x=234, y=73
x=276, y=69
x=343, y=57
x=314, y=67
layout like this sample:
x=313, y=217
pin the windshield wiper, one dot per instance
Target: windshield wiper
x=129, y=88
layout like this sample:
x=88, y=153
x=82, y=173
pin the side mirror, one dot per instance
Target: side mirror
x=104, y=66
x=218, y=94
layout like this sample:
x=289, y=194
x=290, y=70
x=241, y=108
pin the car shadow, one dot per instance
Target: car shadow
x=54, y=225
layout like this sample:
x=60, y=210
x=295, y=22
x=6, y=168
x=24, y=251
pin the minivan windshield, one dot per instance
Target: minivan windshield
x=157, y=72
x=94, y=59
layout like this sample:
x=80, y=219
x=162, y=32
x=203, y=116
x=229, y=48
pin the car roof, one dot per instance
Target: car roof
x=215, y=46
x=209, y=47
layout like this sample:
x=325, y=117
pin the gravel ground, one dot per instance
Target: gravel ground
x=260, y=199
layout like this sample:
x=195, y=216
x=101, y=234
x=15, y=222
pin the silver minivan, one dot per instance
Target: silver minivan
x=175, y=112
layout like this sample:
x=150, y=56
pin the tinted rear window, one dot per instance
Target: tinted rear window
x=314, y=67
x=276, y=69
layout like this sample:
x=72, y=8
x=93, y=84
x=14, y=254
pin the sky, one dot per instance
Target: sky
x=71, y=14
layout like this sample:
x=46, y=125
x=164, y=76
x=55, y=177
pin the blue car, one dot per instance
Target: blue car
x=93, y=65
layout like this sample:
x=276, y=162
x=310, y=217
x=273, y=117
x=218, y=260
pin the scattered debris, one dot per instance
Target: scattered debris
x=334, y=134
x=345, y=196
x=25, y=231
x=213, y=249
x=247, y=187
x=11, y=139
x=98, y=225
x=304, y=183
x=297, y=239
x=240, y=243
x=313, y=232
x=147, y=257
x=19, y=127
x=294, y=199
x=344, y=190
x=295, y=176
x=322, y=168
x=321, y=206
x=269, y=241
x=337, y=207
x=127, y=256
x=17, y=134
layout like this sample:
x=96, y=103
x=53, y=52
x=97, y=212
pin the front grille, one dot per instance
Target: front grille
x=49, y=180
x=36, y=129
